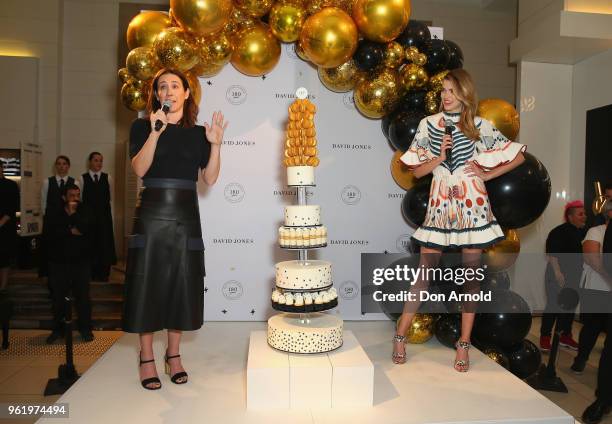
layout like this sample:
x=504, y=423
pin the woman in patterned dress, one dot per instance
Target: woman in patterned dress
x=459, y=212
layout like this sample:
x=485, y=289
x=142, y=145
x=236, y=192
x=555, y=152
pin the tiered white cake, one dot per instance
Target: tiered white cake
x=304, y=287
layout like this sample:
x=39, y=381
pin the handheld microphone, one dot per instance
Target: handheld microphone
x=449, y=126
x=165, y=108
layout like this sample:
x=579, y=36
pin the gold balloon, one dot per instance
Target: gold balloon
x=394, y=54
x=435, y=82
x=502, y=114
x=503, y=255
x=176, y=50
x=381, y=20
x=201, y=17
x=299, y=50
x=421, y=328
x=341, y=78
x=413, y=76
x=400, y=172
x=255, y=8
x=420, y=59
x=144, y=27
x=256, y=50
x=134, y=96
x=329, y=37
x=142, y=63
x=173, y=21
x=315, y=6
x=123, y=75
x=411, y=53
x=432, y=102
x=215, y=49
x=378, y=95
x=195, y=89
x=286, y=21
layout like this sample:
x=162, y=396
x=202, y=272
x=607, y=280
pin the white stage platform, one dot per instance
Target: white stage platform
x=424, y=390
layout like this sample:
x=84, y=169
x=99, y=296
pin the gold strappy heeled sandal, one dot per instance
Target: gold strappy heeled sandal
x=461, y=365
x=399, y=358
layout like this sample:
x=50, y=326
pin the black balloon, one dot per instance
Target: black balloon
x=525, y=359
x=496, y=281
x=438, y=56
x=414, y=204
x=504, y=321
x=369, y=55
x=520, y=196
x=416, y=34
x=413, y=100
x=448, y=329
x=456, y=55
x=384, y=124
x=403, y=127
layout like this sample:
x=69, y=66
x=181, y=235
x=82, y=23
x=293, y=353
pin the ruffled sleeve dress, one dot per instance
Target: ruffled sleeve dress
x=459, y=211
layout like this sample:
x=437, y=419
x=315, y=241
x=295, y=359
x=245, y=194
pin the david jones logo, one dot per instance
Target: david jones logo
x=234, y=192
x=348, y=146
x=239, y=143
x=232, y=290
x=235, y=240
x=292, y=96
x=290, y=193
x=351, y=195
x=349, y=242
x=396, y=195
x=236, y=94
x=349, y=290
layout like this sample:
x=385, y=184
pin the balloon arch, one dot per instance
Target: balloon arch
x=392, y=64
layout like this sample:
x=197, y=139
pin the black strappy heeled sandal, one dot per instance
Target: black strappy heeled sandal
x=152, y=380
x=176, y=378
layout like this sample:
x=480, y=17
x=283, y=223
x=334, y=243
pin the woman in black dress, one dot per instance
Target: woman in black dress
x=165, y=265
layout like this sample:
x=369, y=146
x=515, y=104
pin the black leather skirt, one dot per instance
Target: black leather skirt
x=164, y=284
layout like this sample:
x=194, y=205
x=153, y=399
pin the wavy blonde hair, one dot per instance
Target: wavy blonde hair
x=465, y=92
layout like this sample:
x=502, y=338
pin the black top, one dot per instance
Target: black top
x=180, y=152
x=97, y=194
x=65, y=247
x=9, y=195
x=565, y=243
x=54, y=194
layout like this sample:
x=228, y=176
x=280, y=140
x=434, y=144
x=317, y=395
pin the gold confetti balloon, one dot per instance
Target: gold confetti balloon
x=381, y=20
x=207, y=69
x=503, y=254
x=413, y=76
x=420, y=59
x=502, y=115
x=394, y=54
x=256, y=50
x=329, y=37
x=238, y=21
x=123, y=75
x=432, y=102
x=378, y=95
x=286, y=21
x=436, y=81
x=498, y=356
x=421, y=328
x=341, y=78
x=201, y=17
x=142, y=63
x=175, y=49
x=134, y=96
x=144, y=28
x=411, y=53
x=255, y=8
x=215, y=49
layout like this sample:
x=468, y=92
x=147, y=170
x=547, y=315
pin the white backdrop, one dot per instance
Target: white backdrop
x=241, y=213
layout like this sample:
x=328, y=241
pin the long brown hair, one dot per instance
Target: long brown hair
x=466, y=94
x=190, y=108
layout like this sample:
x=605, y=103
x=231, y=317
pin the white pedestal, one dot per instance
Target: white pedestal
x=340, y=379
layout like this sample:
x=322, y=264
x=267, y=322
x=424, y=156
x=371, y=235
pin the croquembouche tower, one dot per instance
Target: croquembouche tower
x=303, y=287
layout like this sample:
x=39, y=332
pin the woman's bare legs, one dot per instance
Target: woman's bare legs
x=470, y=259
x=146, y=352
x=429, y=258
x=174, y=341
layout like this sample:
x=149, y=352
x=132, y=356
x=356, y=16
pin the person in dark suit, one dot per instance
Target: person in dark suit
x=51, y=200
x=69, y=261
x=9, y=205
x=96, y=194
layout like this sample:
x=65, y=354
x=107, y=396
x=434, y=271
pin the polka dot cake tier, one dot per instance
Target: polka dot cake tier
x=304, y=287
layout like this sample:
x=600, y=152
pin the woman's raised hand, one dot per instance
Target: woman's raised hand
x=214, y=132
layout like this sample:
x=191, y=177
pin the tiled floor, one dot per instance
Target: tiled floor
x=23, y=377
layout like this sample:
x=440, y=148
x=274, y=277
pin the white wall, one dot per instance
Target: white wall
x=591, y=89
